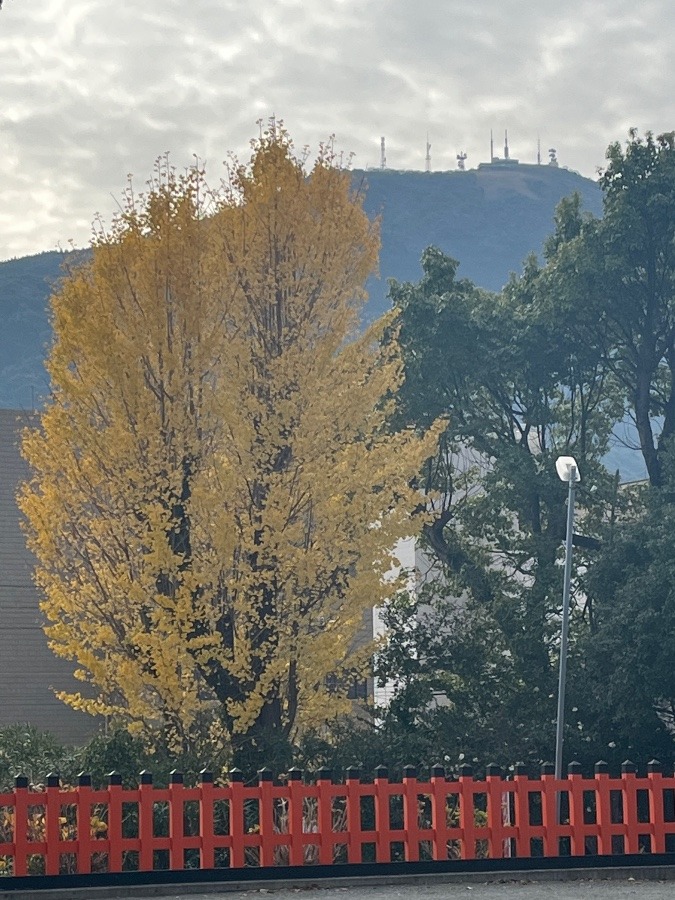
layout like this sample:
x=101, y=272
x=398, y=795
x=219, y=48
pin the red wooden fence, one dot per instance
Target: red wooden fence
x=83, y=830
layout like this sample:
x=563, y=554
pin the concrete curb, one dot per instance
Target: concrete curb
x=643, y=873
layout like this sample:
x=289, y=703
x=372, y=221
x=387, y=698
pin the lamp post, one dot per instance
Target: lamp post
x=568, y=471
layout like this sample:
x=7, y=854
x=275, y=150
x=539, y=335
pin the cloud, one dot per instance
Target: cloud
x=93, y=90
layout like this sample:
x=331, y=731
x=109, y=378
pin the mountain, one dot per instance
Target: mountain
x=25, y=286
x=489, y=219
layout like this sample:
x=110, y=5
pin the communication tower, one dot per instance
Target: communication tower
x=552, y=158
x=461, y=160
x=427, y=158
x=383, y=155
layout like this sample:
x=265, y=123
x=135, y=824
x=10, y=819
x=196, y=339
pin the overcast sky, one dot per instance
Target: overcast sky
x=92, y=90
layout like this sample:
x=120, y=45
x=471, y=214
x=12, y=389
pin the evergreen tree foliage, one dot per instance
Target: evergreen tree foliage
x=519, y=390
x=550, y=366
x=615, y=280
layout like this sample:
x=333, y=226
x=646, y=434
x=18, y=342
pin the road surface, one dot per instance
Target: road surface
x=560, y=890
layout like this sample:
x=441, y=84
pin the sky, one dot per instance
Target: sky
x=92, y=91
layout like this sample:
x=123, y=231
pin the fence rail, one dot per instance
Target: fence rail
x=60, y=830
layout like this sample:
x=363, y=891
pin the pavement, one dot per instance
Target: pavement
x=520, y=890
x=647, y=883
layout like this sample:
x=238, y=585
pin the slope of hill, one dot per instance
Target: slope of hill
x=489, y=219
x=25, y=285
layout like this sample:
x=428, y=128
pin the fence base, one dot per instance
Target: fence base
x=646, y=867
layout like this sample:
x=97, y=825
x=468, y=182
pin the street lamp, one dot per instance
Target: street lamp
x=568, y=471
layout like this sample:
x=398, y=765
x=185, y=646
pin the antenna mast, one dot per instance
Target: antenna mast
x=538, y=150
x=506, y=145
x=427, y=158
x=492, y=148
x=383, y=155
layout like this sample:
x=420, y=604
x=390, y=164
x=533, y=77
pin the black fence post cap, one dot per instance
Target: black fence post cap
x=547, y=768
x=601, y=767
x=84, y=779
x=323, y=773
x=294, y=774
x=53, y=780
x=175, y=777
x=438, y=771
x=145, y=777
x=114, y=778
x=206, y=777
x=627, y=766
x=574, y=768
x=235, y=775
x=654, y=765
x=265, y=774
x=21, y=781
x=465, y=770
x=353, y=773
x=520, y=769
x=381, y=772
x=410, y=771
x=493, y=769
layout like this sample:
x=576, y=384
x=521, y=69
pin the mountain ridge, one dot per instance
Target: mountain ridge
x=489, y=219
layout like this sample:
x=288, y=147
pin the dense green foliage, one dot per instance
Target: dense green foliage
x=25, y=750
x=614, y=279
x=551, y=366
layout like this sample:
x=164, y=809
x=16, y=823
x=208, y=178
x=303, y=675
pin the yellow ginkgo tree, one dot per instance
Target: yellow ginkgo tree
x=214, y=492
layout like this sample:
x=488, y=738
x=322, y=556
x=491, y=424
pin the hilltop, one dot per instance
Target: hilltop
x=489, y=219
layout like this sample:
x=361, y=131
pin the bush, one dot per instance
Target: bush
x=25, y=750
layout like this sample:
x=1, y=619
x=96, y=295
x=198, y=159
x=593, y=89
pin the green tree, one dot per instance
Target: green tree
x=564, y=354
x=616, y=279
x=214, y=493
x=628, y=654
x=518, y=392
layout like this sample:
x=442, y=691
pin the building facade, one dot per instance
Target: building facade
x=30, y=673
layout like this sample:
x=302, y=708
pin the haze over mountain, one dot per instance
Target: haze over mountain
x=489, y=219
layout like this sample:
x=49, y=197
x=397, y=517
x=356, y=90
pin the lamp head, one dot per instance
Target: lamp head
x=567, y=469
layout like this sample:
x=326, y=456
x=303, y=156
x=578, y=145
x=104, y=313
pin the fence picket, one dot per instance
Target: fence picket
x=524, y=832
x=656, y=810
x=176, y=821
x=237, y=853
x=467, y=813
x=603, y=808
x=324, y=815
x=495, y=814
x=83, y=823
x=630, y=813
x=115, y=822
x=206, y=820
x=411, y=814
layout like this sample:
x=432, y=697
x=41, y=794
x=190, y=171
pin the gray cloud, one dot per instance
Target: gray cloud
x=93, y=90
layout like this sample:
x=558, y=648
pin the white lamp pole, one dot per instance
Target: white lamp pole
x=568, y=471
